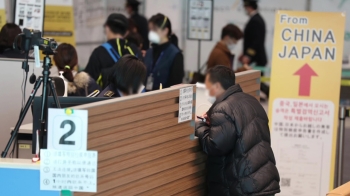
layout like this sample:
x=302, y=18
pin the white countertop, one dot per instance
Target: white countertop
x=19, y=164
x=25, y=128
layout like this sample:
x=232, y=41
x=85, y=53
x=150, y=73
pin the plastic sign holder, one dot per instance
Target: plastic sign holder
x=66, y=165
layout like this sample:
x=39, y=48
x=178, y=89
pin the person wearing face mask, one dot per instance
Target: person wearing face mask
x=222, y=52
x=105, y=56
x=164, y=61
x=236, y=137
x=126, y=79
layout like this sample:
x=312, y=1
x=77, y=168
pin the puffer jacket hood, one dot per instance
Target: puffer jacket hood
x=81, y=81
x=82, y=85
x=237, y=141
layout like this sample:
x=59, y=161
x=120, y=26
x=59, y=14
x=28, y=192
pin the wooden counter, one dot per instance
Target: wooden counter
x=143, y=150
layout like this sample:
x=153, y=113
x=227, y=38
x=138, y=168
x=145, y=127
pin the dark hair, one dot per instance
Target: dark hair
x=252, y=4
x=222, y=74
x=174, y=40
x=132, y=25
x=66, y=58
x=134, y=38
x=233, y=31
x=128, y=74
x=161, y=21
x=133, y=4
x=8, y=34
x=117, y=24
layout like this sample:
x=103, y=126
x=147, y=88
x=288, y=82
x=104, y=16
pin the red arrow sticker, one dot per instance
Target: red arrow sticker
x=305, y=73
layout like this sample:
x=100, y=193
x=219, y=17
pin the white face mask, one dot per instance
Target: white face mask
x=153, y=37
x=231, y=47
x=210, y=98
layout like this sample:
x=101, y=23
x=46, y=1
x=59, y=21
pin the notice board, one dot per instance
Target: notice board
x=200, y=20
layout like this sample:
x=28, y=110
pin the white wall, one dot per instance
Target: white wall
x=231, y=11
x=225, y=11
x=9, y=5
x=11, y=82
x=90, y=15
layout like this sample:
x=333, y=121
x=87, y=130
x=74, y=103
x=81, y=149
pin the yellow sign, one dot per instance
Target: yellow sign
x=59, y=23
x=24, y=146
x=304, y=98
x=2, y=18
x=2, y=13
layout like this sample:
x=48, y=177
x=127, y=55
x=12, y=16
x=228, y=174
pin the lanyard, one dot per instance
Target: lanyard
x=155, y=65
x=129, y=49
x=125, y=47
x=119, y=49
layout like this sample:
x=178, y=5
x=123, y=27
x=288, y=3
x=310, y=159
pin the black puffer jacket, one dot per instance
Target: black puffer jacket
x=237, y=141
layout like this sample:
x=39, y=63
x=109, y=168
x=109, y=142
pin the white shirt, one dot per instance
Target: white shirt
x=55, y=73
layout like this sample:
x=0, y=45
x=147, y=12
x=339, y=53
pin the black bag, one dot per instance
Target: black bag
x=199, y=76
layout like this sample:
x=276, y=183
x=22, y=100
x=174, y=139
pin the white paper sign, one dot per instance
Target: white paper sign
x=299, y=165
x=200, y=19
x=67, y=129
x=185, y=104
x=304, y=131
x=30, y=14
x=37, y=56
x=68, y=170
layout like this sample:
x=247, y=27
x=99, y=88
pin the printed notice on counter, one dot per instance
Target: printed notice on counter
x=304, y=130
x=68, y=170
x=185, y=104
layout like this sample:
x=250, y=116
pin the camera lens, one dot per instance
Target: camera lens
x=54, y=45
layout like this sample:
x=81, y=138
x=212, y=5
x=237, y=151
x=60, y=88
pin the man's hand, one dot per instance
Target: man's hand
x=247, y=67
x=201, y=126
x=245, y=60
x=206, y=118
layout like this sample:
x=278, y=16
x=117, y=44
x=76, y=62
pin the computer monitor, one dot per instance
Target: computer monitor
x=65, y=102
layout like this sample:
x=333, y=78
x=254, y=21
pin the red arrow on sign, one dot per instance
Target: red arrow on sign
x=305, y=73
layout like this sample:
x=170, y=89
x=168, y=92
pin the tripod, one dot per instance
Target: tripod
x=47, y=81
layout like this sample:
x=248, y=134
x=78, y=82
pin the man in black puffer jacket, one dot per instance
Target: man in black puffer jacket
x=236, y=138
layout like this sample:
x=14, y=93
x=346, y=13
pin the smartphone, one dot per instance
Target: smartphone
x=201, y=118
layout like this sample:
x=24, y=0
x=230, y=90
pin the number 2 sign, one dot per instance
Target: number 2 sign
x=67, y=129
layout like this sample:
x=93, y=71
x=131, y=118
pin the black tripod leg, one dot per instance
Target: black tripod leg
x=53, y=90
x=43, y=113
x=21, y=118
